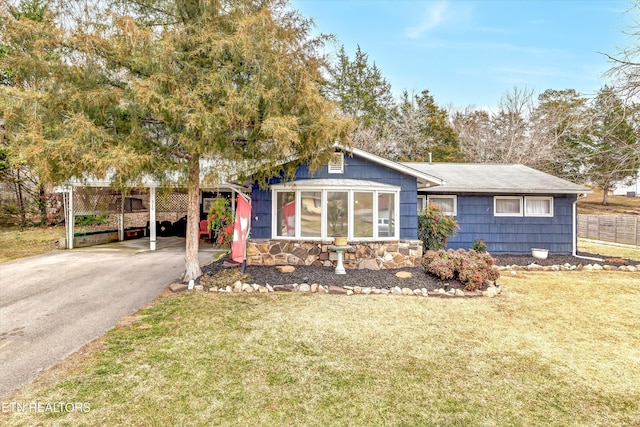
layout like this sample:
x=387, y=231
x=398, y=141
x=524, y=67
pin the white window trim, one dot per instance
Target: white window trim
x=382, y=188
x=548, y=215
x=424, y=201
x=495, y=210
x=446, y=196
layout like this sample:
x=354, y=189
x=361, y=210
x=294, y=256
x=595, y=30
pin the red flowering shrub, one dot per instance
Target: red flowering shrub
x=471, y=268
x=439, y=264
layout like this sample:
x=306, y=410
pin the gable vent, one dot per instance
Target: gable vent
x=336, y=164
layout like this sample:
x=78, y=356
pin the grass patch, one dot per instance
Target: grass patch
x=609, y=250
x=554, y=349
x=16, y=243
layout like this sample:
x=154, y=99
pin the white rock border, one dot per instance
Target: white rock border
x=245, y=288
x=570, y=267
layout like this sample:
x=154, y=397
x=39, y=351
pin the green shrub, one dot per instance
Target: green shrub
x=479, y=246
x=434, y=228
x=92, y=219
x=471, y=268
x=221, y=220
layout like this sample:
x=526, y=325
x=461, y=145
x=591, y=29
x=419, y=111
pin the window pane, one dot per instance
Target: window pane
x=311, y=213
x=338, y=213
x=386, y=213
x=508, y=206
x=286, y=213
x=363, y=214
x=444, y=203
x=538, y=207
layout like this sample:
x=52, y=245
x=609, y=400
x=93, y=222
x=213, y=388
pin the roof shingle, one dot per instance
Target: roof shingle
x=495, y=178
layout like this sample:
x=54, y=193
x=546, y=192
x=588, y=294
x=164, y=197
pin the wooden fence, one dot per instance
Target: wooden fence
x=610, y=228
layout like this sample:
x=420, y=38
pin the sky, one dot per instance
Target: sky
x=470, y=53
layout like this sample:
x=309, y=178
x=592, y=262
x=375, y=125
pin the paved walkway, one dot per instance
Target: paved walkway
x=53, y=304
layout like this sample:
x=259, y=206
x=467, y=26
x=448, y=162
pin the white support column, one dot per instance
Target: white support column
x=152, y=218
x=121, y=219
x=70, y=220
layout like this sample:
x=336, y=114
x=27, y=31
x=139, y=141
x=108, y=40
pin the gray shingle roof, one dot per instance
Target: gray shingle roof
x=496, y=179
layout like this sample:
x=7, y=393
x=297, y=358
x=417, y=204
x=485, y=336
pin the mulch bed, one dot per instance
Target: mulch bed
x=263, y=275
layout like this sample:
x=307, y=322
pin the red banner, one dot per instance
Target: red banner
x=240, y=229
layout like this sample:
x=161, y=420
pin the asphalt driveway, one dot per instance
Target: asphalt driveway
x=53, y=304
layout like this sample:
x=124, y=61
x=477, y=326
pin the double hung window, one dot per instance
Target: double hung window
x=448, y=204
x=523, y=206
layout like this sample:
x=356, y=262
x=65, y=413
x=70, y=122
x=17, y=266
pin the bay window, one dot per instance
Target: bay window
x=360, y=210
x=311, y=214
x=363, y=214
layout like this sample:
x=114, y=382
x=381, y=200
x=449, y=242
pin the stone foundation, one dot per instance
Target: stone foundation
x=362, y=255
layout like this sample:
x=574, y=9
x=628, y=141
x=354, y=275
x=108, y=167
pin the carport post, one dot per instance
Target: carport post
x=70, y=220
x=152, y=218
x=121, y=219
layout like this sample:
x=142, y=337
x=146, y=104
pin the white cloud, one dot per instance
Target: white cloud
x=434, y=16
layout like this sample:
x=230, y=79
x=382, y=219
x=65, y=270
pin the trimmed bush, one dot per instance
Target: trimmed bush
x=434, y=228
x=471, y=268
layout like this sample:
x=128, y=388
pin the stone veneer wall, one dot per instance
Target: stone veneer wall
x=363, y=255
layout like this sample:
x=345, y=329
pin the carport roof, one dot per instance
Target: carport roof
x=145, y=181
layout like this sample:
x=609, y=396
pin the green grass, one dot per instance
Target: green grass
x=555, y=349
x=609, y=250
x=16, y=243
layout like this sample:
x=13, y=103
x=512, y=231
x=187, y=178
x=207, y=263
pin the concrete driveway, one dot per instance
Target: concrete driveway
x=53, y=304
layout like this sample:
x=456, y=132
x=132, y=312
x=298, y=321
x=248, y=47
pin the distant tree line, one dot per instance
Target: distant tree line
x=589, y=140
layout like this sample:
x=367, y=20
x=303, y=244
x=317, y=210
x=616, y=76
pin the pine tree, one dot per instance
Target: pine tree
x=156, y=86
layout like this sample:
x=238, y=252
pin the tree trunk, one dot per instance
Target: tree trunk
x=21, y=207
x=605, y=193
x=42, y=204
x=192, y=264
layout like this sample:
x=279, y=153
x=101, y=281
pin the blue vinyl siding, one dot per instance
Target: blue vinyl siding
x=355, y=168
x=260, y=213
x=513, y=235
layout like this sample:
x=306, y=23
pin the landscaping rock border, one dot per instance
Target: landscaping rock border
x=570, y=267
x=245, y=288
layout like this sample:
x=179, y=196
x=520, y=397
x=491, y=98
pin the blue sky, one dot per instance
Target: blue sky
x=472, y=52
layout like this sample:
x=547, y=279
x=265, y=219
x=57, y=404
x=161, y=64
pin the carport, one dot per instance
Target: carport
x=137, y=209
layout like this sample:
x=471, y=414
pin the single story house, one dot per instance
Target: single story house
x=629, y=188
x=374, y=203
x=371, y=201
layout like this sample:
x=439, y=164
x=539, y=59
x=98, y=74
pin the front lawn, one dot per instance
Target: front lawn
x=554, y=349
x=17, y=243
